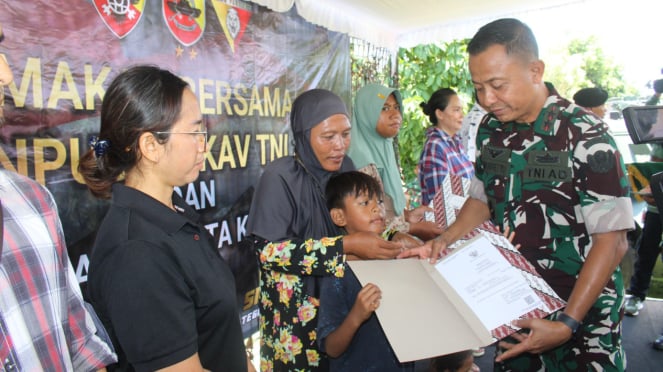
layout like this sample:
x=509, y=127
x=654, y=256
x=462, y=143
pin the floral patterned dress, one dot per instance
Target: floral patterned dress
x=290, y=274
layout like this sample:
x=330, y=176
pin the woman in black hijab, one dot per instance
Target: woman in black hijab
x=297, y=241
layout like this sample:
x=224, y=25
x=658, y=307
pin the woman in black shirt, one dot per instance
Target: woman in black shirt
x=155, y=278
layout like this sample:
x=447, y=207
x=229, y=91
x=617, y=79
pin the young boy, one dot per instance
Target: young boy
x=348, y=330
x=462, y=361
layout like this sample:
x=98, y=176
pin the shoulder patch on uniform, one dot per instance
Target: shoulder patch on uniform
x=601, y=161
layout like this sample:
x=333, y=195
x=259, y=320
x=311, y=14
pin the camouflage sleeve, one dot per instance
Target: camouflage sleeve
x=601, y=182
x=608, y=215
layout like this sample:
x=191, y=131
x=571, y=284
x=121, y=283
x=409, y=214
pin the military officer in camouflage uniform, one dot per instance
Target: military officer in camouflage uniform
x=551, y=172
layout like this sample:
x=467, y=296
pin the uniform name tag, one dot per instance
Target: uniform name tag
x=496, y=160
x=548, y=166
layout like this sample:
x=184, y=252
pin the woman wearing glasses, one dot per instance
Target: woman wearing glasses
x=155, y=278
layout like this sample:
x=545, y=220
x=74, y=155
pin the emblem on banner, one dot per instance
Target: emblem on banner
x=233, y=20
x=185, y=19
x=120, y=16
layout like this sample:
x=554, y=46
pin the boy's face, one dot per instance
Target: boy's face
x=360, y=214
x=468, y=365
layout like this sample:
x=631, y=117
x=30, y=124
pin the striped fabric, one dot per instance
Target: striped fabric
x=43, y=322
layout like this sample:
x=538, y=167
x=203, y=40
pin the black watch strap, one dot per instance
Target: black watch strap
x=569, y=322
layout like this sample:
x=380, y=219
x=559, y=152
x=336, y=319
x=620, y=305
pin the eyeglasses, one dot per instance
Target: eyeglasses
x=387, y=108
x=201, y=136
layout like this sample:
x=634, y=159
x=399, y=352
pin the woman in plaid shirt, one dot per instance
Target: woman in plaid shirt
x=443, y=151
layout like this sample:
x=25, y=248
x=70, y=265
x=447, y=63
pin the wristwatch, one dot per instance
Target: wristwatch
x=569, y=322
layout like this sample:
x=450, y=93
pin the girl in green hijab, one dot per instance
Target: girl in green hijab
x=378, y=108
x=376, y=120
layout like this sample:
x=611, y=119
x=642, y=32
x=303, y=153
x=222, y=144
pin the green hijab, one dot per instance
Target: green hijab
x=367, y=146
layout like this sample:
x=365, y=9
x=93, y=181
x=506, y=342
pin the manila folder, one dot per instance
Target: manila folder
x=420, y=314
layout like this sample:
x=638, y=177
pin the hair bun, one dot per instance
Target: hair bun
x=424, y=107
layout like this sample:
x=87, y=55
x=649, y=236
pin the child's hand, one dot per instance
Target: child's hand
x=510, y=235
x=368, y=300
x=417, y=214
x=422, y=251
x=406, y=240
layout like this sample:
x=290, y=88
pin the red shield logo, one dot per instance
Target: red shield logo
x=185, y=19
x=120, y=16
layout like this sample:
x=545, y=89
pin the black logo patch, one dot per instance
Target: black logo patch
x=548, y=158
x=495, y=153
x=601, y=161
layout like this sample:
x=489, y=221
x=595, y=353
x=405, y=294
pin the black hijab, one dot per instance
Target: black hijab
x=308, y=110
x=302, y=212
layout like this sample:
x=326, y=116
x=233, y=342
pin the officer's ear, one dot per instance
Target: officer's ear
x=536, y=69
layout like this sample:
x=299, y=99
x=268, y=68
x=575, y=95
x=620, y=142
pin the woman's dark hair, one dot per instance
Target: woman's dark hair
x=516, y=37
x=450, y=362
x=350, y=183
x=140, y=99
x=439, y=100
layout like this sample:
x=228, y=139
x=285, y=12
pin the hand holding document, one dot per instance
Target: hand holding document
x=466, y=300
x=496, y=291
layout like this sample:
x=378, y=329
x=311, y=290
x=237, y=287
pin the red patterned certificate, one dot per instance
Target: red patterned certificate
x=514, y=290
x=470, y=296
x=447, y=203
x=480, y=285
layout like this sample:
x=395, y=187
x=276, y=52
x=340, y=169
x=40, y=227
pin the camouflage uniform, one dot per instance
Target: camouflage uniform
x=555, y=182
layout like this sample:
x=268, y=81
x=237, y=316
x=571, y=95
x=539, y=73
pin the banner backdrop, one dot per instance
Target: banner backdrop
x=245, y=63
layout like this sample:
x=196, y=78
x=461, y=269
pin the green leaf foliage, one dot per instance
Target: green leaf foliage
x=421, y=71
x=582, y=64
